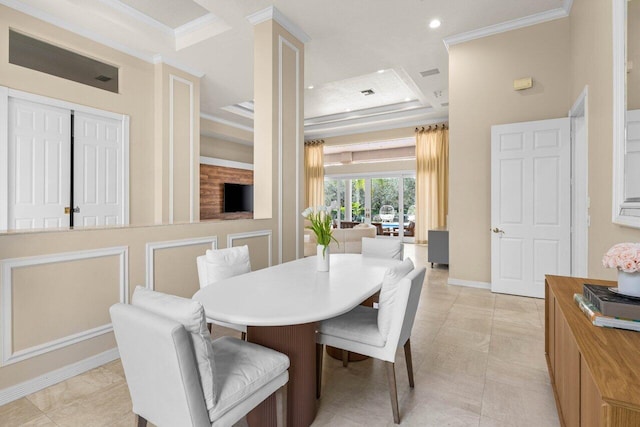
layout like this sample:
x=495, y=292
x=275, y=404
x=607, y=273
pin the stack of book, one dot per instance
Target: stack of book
x=609, y=309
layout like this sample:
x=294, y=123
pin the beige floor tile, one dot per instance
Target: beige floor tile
x=433, y=412
x=102, y=409
x=510, y=329
x=528, y=319
x=518, y=406
x=18, y=413
x=41, y=421
x=115, y=367
x=519, y=351
x=73, y=389
x=515, y=303
x=476, y=300
x=481, y=325
x=455, y=388
x=456, y=359
x=462, y=338
x=517, y=375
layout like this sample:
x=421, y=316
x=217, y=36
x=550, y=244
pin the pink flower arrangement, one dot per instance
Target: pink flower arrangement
x=623, y=256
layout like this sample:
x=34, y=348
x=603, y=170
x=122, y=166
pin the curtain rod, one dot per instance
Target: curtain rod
x=314, y=142
x=444, y=125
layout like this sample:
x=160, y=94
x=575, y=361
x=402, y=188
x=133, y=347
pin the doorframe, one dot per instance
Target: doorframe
x=5, y=94
x=367, y=176
x=580, y=219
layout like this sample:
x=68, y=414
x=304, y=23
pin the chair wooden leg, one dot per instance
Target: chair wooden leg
x=407, y=357
x=319, y=356
x=281, y=406
x=140, y=422
x=243, y=336
x=393, y=390
x=345, y=358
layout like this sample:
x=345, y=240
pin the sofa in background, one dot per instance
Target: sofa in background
x=349, y=239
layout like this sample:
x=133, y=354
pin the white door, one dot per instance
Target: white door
x=98, y=186
x=38, y=165
x=530, y=205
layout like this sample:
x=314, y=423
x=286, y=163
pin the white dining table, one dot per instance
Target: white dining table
x=281, y=306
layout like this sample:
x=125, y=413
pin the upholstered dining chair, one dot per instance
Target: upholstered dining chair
x=219, y=264
x=382, y=248
x=178, y=376
x=378, y=332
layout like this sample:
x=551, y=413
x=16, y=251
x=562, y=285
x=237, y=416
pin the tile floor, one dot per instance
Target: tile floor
x=478, y=361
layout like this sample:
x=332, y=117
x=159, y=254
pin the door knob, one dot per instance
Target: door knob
x=497, y=230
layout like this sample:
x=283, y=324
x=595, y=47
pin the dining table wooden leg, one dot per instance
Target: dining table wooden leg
x=298, y=342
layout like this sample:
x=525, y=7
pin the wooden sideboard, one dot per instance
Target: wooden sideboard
x=595, y=372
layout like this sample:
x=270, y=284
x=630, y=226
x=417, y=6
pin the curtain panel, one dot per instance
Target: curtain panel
x=314, y=172
x=432, y=179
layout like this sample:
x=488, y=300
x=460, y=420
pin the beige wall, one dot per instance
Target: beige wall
x=227, y=150
x=481, y=74
x=135, y=97
x=54, y=299
x=64, y=292
x=591, y=32
x=278, y=132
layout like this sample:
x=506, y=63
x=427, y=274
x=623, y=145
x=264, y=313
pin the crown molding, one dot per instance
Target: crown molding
x=272, y=12
x=566, y=5
x=136, y=14
x=538, y=18
x=413, y=117
x=157, y=59
x=195, y=25
x=53, y=20
x=147, y=57
x=225, y=122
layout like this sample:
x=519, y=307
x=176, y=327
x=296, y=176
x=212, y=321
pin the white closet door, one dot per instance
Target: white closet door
x=38, y=165
x=98, y=168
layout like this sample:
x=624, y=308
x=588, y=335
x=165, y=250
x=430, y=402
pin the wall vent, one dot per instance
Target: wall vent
x=430, y=72
x=39, y=55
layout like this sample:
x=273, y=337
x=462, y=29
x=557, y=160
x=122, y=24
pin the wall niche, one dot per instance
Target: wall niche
x=212, y=180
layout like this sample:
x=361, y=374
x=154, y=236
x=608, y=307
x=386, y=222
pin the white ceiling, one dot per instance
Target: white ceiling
x=350, y=41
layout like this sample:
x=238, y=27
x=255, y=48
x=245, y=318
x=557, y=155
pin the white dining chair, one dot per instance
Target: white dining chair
x=382, y=248
x=178, y=376
x=219, y=264
x=379, y=332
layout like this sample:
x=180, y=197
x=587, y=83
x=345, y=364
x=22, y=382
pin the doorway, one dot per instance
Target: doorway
x=385, y=200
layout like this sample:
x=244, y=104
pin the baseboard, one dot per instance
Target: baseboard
x=469, y=283
x=23, y=389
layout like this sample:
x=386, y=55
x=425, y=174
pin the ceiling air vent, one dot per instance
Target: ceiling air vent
x=430, y=72
x=367, y=92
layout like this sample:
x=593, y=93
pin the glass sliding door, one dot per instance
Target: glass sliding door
x=388, y=202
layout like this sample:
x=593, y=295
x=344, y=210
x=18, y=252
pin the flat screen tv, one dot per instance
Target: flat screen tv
x=238, y=197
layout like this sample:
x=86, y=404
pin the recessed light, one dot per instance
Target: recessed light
x=435, y=23
x=310, y=87
x=380, y=71
x=407, y=99
x=347, y=109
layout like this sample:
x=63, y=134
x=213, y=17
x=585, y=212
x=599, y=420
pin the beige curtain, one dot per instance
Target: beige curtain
x=314, y=173
x=432, y=179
